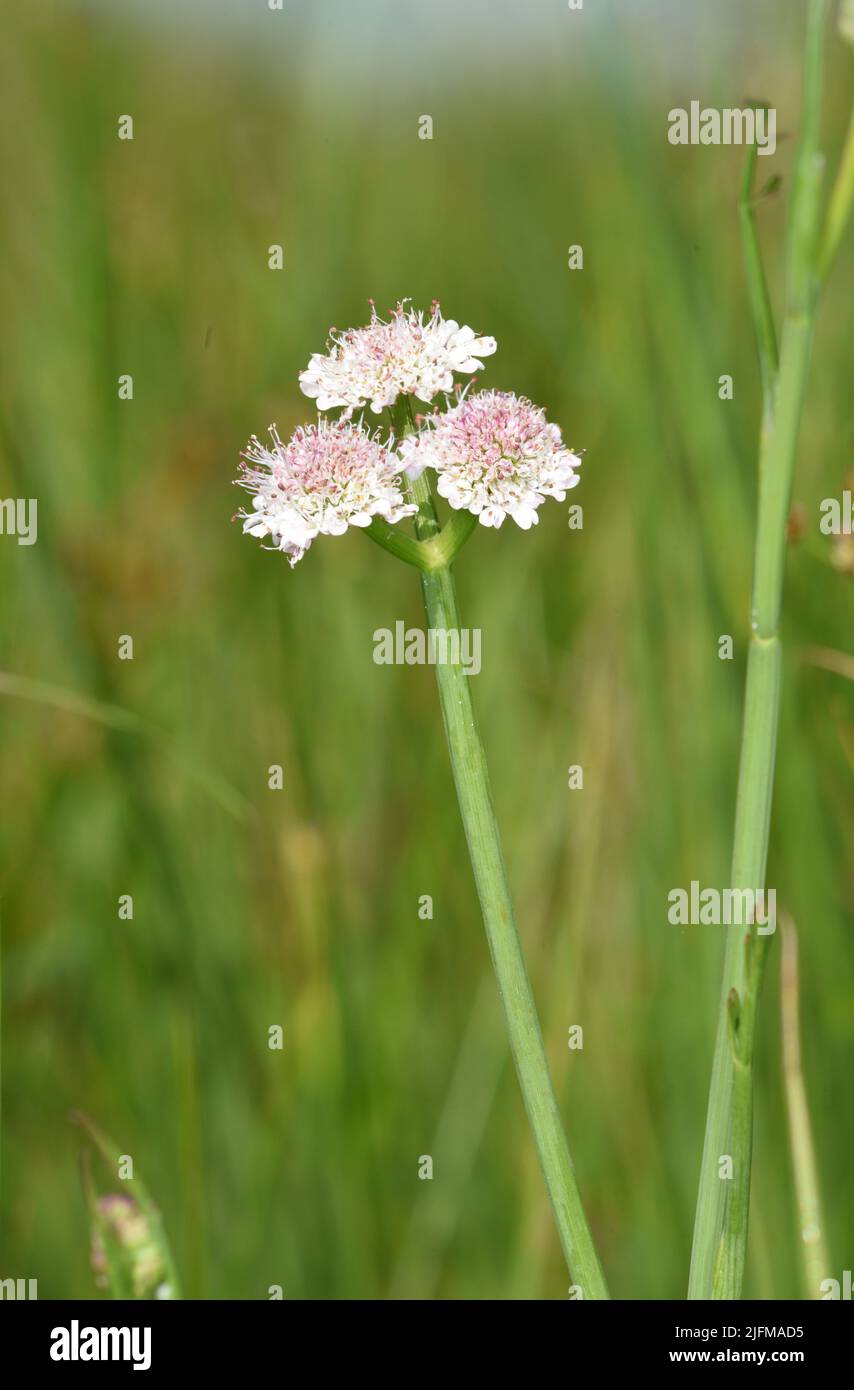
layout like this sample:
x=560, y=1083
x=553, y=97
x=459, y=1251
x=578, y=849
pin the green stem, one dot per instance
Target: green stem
x=815, y=1263
x=398, y=543
x=757, y=288
x=720, y=1229
x=741, y=1022
x=438, y=549
x=729, y=1262
x=471, y=778
x=452, y=537
x=840, y=205
x=724, y=1138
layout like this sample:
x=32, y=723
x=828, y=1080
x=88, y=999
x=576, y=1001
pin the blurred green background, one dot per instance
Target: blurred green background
x=300, y=907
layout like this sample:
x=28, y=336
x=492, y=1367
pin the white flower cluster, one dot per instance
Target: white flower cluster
x=406, y=356
x=327, y=477
x=494, y=453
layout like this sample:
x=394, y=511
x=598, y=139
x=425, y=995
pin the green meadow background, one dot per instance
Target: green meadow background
x=299, y=907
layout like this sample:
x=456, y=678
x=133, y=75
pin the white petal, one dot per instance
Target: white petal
x=526, y=517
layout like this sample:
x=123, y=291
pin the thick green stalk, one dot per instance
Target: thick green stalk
x=720, y=1229
x=471, y=778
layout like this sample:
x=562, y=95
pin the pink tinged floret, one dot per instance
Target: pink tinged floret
x=407, y=354
x=326, y=478
x=495, y=455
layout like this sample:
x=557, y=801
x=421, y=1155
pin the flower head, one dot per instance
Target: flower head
x=327, y=477
x=495, y=455
x=408, y=355
x=132, y=1248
